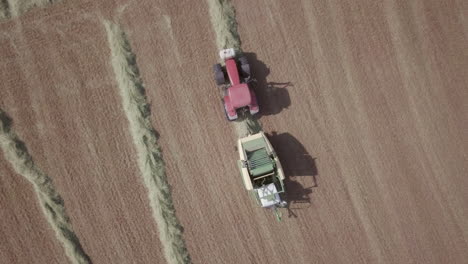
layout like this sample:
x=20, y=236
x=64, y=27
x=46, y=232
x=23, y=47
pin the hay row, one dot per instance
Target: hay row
x=4, y=10
x=14, y=8
x=144, y=137
x=51, y=203
x=223, y=19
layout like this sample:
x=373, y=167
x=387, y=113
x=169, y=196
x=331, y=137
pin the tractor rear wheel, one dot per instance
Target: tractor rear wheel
x=225, y=111
x=245, y=67
x=218, y=74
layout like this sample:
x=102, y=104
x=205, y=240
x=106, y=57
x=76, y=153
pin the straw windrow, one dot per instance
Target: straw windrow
x=14, y=8
x=223, y=20
x=4, y=10
x=144, y=137
x=51, y=203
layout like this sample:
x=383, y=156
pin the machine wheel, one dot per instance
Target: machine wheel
x=245, y=67
x=225, y=112
x=243, y=60
x=218, y=74
x=227, y=117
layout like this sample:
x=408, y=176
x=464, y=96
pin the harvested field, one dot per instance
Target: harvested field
x=366, y=104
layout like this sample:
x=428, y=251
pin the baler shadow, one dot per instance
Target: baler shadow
x=273, y=97
x=296, y=161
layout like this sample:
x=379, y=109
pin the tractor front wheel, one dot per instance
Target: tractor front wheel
x=218, y=74
x=245, y=67
x=230, y=119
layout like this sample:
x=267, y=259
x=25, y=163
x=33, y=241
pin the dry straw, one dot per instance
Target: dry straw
x=14, y=8
x=150, y=160
x=50, y=201
x=223, y=19
x=4, y=9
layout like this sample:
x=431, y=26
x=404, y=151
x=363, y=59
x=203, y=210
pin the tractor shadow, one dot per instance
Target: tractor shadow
x=296, y=162
x=272, y=97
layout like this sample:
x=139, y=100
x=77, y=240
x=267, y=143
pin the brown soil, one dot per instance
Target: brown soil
x=368, y=103
x=378, y=96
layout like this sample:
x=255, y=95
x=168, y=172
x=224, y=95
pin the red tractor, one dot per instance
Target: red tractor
x=236, y=91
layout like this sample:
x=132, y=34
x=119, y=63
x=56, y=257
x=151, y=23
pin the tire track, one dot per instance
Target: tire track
x=51, y=202
x=223, y=20
x=144, y=136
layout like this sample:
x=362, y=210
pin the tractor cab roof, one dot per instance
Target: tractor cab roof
x=239, y=95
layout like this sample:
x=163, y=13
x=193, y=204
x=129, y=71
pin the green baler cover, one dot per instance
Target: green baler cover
x=260, y=162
